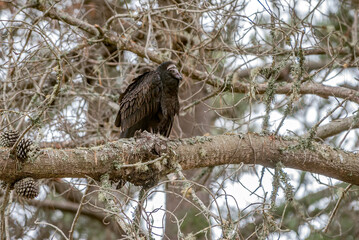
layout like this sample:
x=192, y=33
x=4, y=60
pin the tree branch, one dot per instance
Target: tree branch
x=124, y=43
x=128, y=159
x=72, y=197
x=335, y=127
x=127, y=44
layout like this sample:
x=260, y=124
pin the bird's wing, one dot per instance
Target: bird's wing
x=140, y=99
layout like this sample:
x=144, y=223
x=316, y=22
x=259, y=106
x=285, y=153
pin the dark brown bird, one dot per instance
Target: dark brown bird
x=150, y=102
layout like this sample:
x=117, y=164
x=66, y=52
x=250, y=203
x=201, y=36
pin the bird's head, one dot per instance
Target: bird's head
x=169, y=68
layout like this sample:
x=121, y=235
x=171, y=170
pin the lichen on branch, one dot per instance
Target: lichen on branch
x=147, y=158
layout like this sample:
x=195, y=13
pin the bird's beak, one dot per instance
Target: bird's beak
x=178, y=75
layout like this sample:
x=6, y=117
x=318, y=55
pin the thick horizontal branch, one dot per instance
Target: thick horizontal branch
x=118, y=159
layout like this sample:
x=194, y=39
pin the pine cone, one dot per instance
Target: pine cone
x=27, y=149
x=27, y=188
x=8, y=138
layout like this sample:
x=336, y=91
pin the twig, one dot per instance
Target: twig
x=313, y=130
x=355, y=28
x=137, y=217
x=48, y=101
x=200, y=100
x=7, y=213
x=2, y=212
x=144, y=163
x=51, y=225
x=195, y=198
x=81, y=204
x=335, y=210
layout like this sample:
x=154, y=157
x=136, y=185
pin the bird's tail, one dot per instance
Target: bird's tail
x=118, y=120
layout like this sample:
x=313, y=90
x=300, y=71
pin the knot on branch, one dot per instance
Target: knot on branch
x=147, y=160
x=148, y=146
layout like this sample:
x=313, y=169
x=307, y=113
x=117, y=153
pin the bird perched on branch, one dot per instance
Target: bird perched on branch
x=150, y=102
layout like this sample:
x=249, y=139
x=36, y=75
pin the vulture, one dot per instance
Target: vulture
x=150, y=102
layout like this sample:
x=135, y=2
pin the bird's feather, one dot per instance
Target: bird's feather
x=140, y=99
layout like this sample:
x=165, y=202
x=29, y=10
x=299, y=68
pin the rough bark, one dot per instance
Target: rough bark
x=118, y=159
